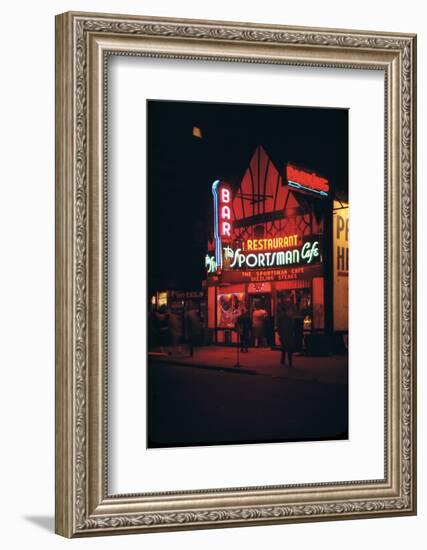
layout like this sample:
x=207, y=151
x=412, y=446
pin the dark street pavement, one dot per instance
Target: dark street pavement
x=193, y=405
x=263, y=361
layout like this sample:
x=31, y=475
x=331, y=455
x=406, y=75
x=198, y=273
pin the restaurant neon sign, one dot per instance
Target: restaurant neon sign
x=273, y=243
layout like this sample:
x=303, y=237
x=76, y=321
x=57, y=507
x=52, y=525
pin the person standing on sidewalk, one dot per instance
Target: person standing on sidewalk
x=286, y=330
x=243, y=328
x=175, y=329
x=162, y=326
x=192, y=327
x=269, y=330
x=258, y=319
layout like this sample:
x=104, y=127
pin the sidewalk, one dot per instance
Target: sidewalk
x=261, y=361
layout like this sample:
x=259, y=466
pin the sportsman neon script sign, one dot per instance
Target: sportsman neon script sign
x=309, y=253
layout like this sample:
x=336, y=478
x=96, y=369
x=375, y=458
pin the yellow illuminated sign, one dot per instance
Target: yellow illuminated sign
x=276, y=243
x=341, y=265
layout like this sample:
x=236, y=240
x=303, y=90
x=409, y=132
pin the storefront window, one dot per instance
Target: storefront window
x=229, y=307
x=162, y=299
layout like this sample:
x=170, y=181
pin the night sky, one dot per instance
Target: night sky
x=182, y=168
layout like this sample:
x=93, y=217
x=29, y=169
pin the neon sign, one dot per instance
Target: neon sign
x=306, y=181
x=307, y=254
x=225, y=213
x=274, y=243
x=222, y=218
x=210, y=263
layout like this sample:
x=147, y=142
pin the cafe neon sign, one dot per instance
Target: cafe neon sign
x=222, y=219
x=307, y=254
x=284, y=251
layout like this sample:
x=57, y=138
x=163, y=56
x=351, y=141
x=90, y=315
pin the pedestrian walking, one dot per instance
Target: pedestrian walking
x=162, y=327
x=175, y=329
x=258, y=319
x=192, y=328
x=243, y=328
x=269, y=331
x=286, y=330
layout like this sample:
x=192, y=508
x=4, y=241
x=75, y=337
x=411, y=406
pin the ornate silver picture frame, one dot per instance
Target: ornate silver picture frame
x=84, y=505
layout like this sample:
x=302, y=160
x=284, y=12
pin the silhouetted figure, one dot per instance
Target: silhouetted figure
x=175, y=329
x=258, y=318
x=243, y=327
x=192, y=328
x=286, y=330
x=162, y=326
x=151, y=330
x=269, y=330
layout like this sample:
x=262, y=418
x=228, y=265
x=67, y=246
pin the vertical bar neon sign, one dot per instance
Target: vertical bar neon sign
x=222, y=217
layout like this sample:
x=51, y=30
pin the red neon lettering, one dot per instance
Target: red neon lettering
x=225, y=194
x=226, y=213
x=226, y=228
x=308, y=179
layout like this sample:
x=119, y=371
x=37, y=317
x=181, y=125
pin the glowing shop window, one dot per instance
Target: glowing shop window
x=162, y=299
x=229, y=307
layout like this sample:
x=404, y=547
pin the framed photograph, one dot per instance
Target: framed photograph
x=235, y=274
